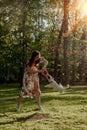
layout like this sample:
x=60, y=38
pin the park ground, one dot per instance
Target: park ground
x=61, y=111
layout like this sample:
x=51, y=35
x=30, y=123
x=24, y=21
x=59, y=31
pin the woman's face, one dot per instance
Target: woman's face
x=38, y=57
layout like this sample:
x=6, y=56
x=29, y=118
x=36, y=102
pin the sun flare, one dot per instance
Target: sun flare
x=83, y=9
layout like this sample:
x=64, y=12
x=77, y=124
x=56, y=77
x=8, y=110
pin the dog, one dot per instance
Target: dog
x=53, y=84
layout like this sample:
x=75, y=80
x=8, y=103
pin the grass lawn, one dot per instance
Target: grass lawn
x=65, y=111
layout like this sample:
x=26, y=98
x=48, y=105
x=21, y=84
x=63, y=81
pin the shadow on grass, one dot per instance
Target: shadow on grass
x=35, y=116
x=71, y=90
x=71, y=96
x=8, y=98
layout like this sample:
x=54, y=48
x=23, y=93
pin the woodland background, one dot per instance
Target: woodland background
x=57, y=28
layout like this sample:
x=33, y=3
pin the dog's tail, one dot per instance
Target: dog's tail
x=67, y=86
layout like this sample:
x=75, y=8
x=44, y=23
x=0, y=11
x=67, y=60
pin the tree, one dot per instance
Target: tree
x=65, y=35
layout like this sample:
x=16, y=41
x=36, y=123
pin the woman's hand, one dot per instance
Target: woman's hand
x=44, y=71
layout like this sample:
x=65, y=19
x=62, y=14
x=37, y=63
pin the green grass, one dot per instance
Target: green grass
x=66, y=111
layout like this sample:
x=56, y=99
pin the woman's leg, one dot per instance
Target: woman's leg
x=20, y=100
x=37, y=94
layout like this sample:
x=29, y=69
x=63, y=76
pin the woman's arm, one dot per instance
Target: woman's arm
x=44, y=61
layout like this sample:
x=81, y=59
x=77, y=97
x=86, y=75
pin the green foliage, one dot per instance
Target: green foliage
x=30, y=25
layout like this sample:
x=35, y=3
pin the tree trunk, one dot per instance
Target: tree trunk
x=73, y=50
x=73, y=64
x=22, y=35
x=65, y=34
x=57, y=68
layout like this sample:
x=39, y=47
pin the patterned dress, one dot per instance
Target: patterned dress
x=28, y=83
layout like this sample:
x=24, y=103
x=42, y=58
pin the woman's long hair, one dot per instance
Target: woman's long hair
x=31, y=60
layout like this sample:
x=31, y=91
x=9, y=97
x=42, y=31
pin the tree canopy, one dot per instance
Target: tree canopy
x=57, y=28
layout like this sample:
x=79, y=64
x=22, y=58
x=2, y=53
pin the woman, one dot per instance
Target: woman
x=31, y=84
